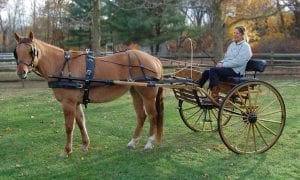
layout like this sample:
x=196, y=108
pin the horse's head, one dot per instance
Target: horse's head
x=26, y=55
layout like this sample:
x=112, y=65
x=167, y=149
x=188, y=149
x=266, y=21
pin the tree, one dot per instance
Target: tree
x=296, y=11
x=96, y=36
x=225, y=14
x=80, y=22
x=145, y=22
x=52, y=21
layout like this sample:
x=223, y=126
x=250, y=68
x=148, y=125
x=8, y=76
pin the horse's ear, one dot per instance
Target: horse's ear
x=31, y=35
x=17, y=37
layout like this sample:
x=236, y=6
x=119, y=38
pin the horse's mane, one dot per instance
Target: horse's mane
x=46, y=45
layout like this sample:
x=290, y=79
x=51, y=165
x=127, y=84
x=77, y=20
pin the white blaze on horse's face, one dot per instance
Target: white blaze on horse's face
x=23, y=52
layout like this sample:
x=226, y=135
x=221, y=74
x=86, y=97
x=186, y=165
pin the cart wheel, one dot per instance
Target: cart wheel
x=257, y=120
x=196, y=118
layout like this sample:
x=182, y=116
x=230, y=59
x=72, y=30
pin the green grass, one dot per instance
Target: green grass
x=32, y=136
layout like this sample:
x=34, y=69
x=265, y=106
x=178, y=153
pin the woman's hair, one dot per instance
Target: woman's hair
x=241, y=29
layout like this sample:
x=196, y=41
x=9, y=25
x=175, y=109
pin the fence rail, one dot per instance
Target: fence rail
x=274, y=60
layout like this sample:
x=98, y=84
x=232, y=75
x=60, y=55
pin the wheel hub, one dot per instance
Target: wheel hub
x=252, y=118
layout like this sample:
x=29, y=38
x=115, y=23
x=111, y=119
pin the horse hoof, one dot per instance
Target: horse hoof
x=148, y=147
x=132, y=144
x=130, y=147
x=63, y=156
x=84, y=149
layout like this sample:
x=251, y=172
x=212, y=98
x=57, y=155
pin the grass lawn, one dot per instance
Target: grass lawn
x=32, y=135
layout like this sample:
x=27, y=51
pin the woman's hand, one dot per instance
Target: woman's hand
x=219, y=65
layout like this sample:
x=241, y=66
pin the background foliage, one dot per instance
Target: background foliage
x=151, y=23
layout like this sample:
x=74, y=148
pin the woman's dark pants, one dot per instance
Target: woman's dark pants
x=215, y=74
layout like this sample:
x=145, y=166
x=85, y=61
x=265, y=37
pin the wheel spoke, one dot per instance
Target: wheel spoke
x=197, y=118
x=237, y=135
x=241, y=98
x=249, y=95
x=247, y=139
x=271, y=121
x=254, y=138
x=234, y=115
x=231, y=125
x=190, y=108
x=266, y=107
x=234, y=105
x=257, y=93
x=193, y=114
x=270, y=113
x=260, y=134
x=266, y=128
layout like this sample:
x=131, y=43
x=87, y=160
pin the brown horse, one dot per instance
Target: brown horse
x=49, y=61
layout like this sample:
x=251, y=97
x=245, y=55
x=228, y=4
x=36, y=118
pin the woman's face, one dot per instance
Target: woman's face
x=237, y=36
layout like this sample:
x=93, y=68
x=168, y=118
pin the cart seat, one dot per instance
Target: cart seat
x=252, y=66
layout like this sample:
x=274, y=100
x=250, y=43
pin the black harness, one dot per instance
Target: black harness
x=76, y=83
x=84, y=83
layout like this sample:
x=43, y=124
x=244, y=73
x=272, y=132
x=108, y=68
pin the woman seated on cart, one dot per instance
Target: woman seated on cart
x=234, y=63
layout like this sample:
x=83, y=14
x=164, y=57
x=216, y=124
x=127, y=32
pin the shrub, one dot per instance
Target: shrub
x=277, y=46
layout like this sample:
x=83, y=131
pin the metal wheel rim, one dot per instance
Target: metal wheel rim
x=255, y=124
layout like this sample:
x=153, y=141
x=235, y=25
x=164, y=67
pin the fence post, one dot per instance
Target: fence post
x=23, y=83
x=272, y=60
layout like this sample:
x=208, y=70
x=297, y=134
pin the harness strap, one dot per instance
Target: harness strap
x=90, y=71
x=129, y=67
x=67, y=59
x=141, y=65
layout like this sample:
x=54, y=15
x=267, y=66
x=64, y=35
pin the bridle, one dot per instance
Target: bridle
x=33, y=52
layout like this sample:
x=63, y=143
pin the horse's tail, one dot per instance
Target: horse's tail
x=160, y=114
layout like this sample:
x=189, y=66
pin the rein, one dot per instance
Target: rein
x=129, y=64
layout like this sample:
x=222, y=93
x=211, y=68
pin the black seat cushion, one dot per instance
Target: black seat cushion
x=252, y=65
x=237, y=80
x=256, y=65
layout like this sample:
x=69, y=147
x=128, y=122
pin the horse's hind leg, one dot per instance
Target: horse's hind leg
x=80, y=120
x=152, y=113
x=140, y=115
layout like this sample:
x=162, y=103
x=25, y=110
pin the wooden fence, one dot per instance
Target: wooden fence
x=276, y=62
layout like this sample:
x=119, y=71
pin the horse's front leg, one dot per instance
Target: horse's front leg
x=69, y=109
x=80, y=120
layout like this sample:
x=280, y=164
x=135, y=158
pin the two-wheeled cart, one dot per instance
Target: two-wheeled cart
x=249, y=117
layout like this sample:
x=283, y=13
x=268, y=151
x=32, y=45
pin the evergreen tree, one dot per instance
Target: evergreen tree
x=79, y=33
x=144, y=22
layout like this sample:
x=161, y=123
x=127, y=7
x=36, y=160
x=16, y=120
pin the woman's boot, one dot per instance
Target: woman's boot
x=215, y=93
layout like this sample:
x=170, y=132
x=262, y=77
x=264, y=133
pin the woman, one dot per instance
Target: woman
x=234, y=62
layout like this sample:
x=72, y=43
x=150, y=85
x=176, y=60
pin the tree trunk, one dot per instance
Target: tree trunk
x=297, y=19
x=217, y=29
x=34, y=17
x=96, y=36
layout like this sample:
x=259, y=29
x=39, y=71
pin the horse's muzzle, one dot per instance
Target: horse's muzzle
x=23, y=75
